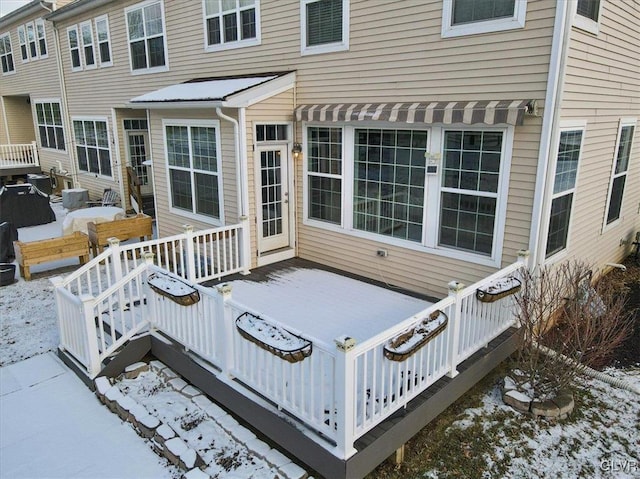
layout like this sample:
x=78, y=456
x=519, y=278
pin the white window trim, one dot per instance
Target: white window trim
x=40, y=21
x=329, y=47
x=485, y=26
x=431, y=218
x=104, y=18
x=235, y=44
x=22, y=29
x=34, y=102
x=82, y=46
x=623, y=123
x=13, y=57
x=75, y=151
x=35, y=39
x=565, y=125
x=219, y=174
x=148, y=70
x=79, y=48
x=587, y=24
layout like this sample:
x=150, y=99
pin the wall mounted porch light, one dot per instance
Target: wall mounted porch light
x=296, y=150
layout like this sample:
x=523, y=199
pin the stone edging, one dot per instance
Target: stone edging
x=164, y=439
x=557, y=408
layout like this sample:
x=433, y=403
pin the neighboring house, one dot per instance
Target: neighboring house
x=31, y=102
x=406, y=142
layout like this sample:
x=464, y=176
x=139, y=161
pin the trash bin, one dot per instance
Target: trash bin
x=42, y=182
x=7, y=273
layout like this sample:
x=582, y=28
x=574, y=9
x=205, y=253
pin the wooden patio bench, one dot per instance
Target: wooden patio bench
x=43, y=251
x=139, y=226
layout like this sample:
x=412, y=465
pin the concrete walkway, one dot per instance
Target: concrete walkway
x=52, y=426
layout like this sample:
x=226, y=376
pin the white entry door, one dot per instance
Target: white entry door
x=273, y=198
x=137, y=150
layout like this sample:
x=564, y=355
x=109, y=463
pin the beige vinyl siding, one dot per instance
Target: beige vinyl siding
x=173, y=223
x=396, y=54
x=278, y=108
x=602, y=86
x=19, y=119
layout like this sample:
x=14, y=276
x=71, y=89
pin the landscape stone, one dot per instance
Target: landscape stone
x=517, y=400
x=102, y=386
x=276, y=458
x=111, y=397
x=564, y=401
x=191, y=391
x=163, y=434
x=196, y=474
x=157, y=366
x=132, y=371
x=178, y=384
x=293, y=471
x=258, y=447
x=546, y=409
x=169, y=374
x=173, y=448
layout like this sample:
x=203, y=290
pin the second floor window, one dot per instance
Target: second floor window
x=589, y=9
x=74, y=48
x=325, y=26
x=231, y=23
x=86, y=35
x=468, y=17
x=31, y=37
x=22, y=36
x=6, y=54
x=145, y=27
x=465, y=11
x=104, y=40
x=42, y=38
x=49, y=117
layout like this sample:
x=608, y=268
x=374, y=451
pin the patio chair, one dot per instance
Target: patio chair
x=109, y=198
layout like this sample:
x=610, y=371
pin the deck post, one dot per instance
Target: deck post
x=150, y=309
x=34, y=149
x=344, y=396
x=245, y=246
x=455, y=288
x=190, y=253
x=93, y=355
x=225, y=325
x=116, y=262
x=56, y=281
x=523, y=257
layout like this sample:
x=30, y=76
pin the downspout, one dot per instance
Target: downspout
x=549, y=134
x=63, y=93
x=242, y=194
x=153, y=175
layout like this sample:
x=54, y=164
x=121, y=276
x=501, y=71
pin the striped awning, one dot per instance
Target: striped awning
x=510, y=112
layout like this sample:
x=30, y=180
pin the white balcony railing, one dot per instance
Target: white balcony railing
x=19, y=155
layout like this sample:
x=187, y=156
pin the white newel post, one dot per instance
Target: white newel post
x=93, y=355
x=190, y=253
x=455, y=288
x=57, y=282
x=116, y=261
x=150, y=309
x=523, y=257
x=224, y=325
x=34, y=149
x=245, y=253
x=345, y=392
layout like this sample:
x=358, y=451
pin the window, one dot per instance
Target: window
x=588, y=16
x=384, y=184
x=86, y=35
x=564, y=187
x=324, y=170
x=104, y=41
x=231, y=23
x=389, y=174
x=50, y=129
x=325, y=26
x=42, y=38
x=468, y=17
x=619, y=175
x=31, y=38
x=471, y=173
x=272, y=132
x=6, y=54
x=145, y=26
x=193, y=158
x=92, y=146
x=22, y=37
x=135, y=124
x=74, y=48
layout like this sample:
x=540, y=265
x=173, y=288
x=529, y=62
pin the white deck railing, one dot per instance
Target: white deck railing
x=19, y=155
x=339, y=392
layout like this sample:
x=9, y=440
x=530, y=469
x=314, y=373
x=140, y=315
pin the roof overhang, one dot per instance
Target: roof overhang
x=227, y=92
x=25, y=11
x=75, y=8
x=510, y=112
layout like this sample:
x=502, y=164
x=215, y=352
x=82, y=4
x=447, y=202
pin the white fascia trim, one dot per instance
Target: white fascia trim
x=261, y=92
x=549, y=133
x=173, y=105
x=486, y=26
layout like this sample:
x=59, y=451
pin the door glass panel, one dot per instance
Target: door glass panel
x=138, y=154
x=270, y=169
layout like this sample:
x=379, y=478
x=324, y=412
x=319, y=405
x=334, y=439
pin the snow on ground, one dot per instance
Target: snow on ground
x=54, y=427
x=601, y=438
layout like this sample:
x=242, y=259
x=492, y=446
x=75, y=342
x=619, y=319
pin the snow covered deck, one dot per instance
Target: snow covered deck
x=322, y=304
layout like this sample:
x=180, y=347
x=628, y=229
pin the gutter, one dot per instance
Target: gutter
x=549, y=134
